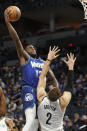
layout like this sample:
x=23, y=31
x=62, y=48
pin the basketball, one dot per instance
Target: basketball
x=14, y=13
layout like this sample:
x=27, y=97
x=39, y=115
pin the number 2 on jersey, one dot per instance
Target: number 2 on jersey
x=49, y=115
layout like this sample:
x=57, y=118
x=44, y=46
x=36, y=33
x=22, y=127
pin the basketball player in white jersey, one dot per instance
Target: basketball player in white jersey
x=52, y=106
x=6, y=124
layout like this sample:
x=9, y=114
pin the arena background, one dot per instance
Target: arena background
x=44, y=23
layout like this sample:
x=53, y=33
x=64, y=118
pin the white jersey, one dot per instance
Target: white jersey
x=50, y=115
x=3, y=126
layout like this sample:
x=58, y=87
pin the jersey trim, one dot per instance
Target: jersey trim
x=27, y=86
x=41, y=101
x=43, y=98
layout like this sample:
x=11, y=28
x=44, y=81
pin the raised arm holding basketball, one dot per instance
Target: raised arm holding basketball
x=22, y=54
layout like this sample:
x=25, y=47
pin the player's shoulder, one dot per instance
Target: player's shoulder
x=31, y=59
x=39, y=60
x=36, y=60
x=44, y=98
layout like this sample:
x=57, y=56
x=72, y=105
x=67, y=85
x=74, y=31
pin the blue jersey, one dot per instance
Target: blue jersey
x=31, y=71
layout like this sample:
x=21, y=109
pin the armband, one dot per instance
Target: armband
x=70, y=82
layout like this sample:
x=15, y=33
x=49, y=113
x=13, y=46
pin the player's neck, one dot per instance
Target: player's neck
x=33, y=55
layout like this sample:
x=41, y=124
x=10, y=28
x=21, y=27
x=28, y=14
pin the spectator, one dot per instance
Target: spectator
x=69, y=126
x=76, y=121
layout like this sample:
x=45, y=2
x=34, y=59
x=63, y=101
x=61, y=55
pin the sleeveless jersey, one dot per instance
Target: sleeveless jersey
x=31, y=71
x=3, y=126
x=50, y=115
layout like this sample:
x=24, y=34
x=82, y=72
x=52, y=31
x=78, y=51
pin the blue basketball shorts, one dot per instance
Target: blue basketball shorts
x=29, y=96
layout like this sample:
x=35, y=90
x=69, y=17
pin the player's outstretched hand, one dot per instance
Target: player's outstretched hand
x=71, y=60
x=53, y=53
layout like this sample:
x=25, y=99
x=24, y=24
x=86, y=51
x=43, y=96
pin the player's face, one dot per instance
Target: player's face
x=31, y=50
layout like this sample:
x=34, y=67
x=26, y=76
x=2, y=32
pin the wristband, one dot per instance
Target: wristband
x=48, y=59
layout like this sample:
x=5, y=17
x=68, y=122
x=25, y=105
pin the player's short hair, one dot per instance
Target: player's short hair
x=27, y=46
x=54, y=94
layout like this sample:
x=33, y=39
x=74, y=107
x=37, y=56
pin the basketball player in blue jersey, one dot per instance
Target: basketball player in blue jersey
x=52, y=106
x=31, y=69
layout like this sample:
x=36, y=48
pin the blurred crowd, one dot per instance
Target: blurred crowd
x=75, y=118
x=10, y=81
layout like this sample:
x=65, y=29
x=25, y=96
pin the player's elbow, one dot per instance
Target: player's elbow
x=40, y=94
x=38, y=97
